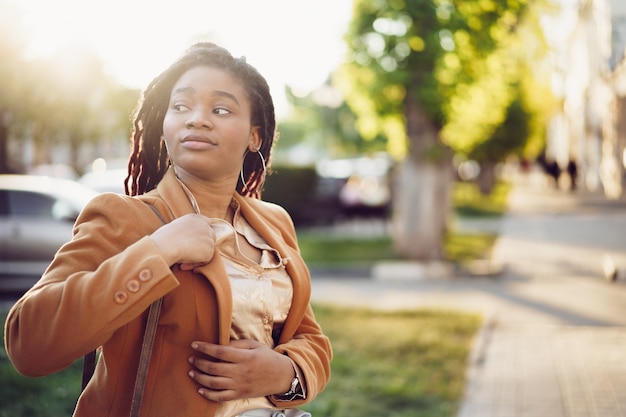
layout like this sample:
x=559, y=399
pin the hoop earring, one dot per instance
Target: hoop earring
x=241, y=174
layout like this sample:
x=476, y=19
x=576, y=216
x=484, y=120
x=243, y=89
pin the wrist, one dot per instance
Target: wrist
x=166, y=251
x=296, y=388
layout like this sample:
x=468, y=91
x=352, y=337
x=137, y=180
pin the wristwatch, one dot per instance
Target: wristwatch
x=295, y=391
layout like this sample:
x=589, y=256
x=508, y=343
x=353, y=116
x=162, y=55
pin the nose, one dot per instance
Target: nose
x=198, y=119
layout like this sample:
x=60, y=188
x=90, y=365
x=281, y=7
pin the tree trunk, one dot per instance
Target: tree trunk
x=422, y=190
x=4, y=142
x=420, y=209
x=486, y=177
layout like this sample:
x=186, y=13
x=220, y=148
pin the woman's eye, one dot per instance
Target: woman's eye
x=221, y=111
x=180, y=107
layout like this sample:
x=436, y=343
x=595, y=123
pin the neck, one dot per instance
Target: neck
x=208, y=199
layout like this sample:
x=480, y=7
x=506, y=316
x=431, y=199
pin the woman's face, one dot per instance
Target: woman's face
x=207, y=127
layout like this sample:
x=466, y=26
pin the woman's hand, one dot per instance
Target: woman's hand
x=244, y=369
x=188, y=240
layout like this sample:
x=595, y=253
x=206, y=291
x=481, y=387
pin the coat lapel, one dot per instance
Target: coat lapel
x=179, y=205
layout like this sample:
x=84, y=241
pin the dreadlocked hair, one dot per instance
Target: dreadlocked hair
x=149, y=159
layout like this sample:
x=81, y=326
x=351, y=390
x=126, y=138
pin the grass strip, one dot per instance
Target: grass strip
x=395, y=364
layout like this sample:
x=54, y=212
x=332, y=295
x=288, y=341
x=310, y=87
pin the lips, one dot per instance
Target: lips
x=199, y=138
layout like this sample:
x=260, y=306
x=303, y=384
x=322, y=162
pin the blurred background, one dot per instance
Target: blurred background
x=403, y=126
x=384, y=105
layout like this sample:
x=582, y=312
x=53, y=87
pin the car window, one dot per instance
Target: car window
x=27, y=204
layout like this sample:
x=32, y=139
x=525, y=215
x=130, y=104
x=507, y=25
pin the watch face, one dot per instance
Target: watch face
x=294, y=384
x=295, y=391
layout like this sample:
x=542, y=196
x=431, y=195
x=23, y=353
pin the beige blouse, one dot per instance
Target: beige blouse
x=262, y=292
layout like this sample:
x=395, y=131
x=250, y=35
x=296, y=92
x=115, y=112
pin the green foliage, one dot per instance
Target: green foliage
x=325, y=123
x=470, y=202
x=462, y=247
x=397, y=364
x=508, y=138
x=461, y=60
x=292, y=188
x=50, y=396
x=323, y=250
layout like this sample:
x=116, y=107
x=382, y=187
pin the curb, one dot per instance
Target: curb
x=476, y=359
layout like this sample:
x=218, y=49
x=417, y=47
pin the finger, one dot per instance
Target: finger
x=218, y=396
x=211, y=382
x=220, y=352
x=188, y=266
x=210, y=349
x=211, y=367
x=210, y=387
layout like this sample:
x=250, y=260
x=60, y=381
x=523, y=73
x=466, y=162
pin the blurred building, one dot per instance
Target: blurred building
x=618, y=23
x=618, y=81
x=591, y=77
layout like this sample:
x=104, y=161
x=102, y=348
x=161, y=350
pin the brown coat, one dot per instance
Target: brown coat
x=98, y=288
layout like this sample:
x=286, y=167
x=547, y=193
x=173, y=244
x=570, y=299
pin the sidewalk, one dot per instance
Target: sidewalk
x=554, y=339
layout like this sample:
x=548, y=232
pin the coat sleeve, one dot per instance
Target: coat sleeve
x=105, y=277
x=310, y=349
x=302, y=338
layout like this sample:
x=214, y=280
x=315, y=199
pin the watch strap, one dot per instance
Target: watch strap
x=296, y=390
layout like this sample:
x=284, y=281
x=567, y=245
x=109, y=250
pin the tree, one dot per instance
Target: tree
x=76, y=104
x=508, y=138
x=435, y=77
x=322, y=121
x=11, y=46
x=514, y=86
x=64, y=101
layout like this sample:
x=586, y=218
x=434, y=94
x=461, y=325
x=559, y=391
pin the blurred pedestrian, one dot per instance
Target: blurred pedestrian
x=572, y=171
x=236, y=334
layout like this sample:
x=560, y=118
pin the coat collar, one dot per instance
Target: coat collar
x=270, y=224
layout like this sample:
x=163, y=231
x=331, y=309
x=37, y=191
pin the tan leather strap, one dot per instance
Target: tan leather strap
x=144, y=360
x=89, y=365
x=146, y=347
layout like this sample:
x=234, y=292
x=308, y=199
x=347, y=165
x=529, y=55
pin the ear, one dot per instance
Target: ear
x=255, y=139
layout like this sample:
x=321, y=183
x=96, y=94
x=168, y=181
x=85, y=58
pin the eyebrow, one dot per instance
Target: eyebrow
x=219, y=93
x=214, y=93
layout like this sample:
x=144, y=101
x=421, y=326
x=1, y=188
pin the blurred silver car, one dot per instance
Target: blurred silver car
x=37, y=214
x=109, y=180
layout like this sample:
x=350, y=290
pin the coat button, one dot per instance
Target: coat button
x=145, y=275
x=133, y=285
x=120, y=297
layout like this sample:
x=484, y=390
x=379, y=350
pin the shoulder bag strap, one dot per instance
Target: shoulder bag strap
x=144, y=360
x=89, y=366
x=146, y=346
